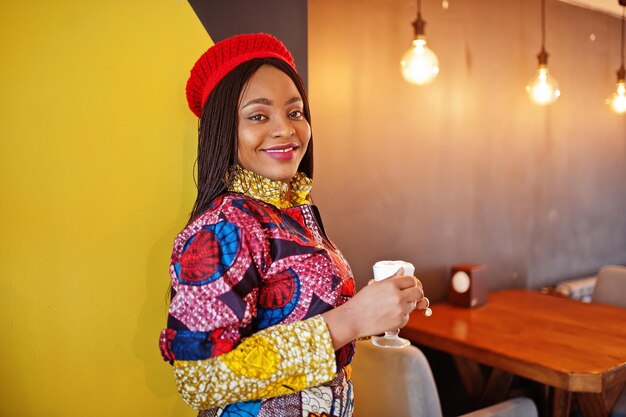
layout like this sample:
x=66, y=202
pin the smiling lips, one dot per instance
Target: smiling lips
x=282, y=152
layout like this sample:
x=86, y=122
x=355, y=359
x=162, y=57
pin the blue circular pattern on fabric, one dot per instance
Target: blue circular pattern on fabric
x=270, y=316
x=243, y=409
x=228, y=243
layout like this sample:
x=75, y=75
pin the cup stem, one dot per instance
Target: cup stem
x=390, y=340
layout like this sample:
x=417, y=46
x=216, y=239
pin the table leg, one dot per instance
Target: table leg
x=471, y=378
x=613, y=394
x=498, y=387
x=592, y=405
x=599, y=405
x=561, y=403
x=483, y=394
x=544, y=400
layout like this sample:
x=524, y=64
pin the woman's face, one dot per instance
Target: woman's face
x=273, y=134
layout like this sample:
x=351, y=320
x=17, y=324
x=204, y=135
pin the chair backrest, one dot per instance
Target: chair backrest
x=610, y=287
x=393, y=382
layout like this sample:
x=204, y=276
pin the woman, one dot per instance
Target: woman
x=263, y=312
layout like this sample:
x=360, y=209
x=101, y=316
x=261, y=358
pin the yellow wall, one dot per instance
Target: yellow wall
x=96, y=153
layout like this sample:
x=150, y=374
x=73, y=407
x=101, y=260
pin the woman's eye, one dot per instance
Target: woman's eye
x=296, y=114
x=257, y=117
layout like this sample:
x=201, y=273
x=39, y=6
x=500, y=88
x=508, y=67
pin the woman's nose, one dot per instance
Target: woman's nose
x=282, y=127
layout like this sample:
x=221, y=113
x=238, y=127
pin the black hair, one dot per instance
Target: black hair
x=217, y=130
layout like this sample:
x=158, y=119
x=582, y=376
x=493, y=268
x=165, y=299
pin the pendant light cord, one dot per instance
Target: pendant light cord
x=543, y=24
x=419, y=23
x=622, y=51
x=542, y=56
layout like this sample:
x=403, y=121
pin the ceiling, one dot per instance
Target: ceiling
x=611, y=7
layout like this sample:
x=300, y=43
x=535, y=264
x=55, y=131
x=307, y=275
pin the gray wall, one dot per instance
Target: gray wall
x=467, y=169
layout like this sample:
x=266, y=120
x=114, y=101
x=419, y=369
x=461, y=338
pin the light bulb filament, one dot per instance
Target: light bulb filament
x=618, y=100
x=419, y=64
x=543, y=89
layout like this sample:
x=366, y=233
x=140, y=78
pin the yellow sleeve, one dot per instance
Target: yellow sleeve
x=278, y=360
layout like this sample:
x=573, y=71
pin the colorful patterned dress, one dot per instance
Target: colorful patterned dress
x=250, y=278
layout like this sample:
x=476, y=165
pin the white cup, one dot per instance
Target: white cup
x=387, y=269
x=382, y=271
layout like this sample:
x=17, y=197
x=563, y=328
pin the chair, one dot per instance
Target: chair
x=399, y=383
x=611, y=289
x=610, y=286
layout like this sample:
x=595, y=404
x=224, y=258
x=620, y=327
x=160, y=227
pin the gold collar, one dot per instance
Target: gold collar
x=273, y=192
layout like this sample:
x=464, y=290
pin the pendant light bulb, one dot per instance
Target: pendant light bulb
x=543, y=88
x=617, y=101
x=419, y=64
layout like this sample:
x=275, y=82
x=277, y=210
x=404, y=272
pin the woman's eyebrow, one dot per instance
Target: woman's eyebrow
x=269, y=102
x=293, y=100
x=257, y=101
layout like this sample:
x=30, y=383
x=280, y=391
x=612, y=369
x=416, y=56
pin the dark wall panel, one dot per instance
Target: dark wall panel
x=287, y=20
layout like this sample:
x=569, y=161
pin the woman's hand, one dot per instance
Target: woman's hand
x=379, y=307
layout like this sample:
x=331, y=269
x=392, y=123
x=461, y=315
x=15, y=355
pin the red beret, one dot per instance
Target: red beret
x=223, y=57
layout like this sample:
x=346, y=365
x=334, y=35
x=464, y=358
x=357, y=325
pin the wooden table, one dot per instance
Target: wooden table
x=577, y=349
